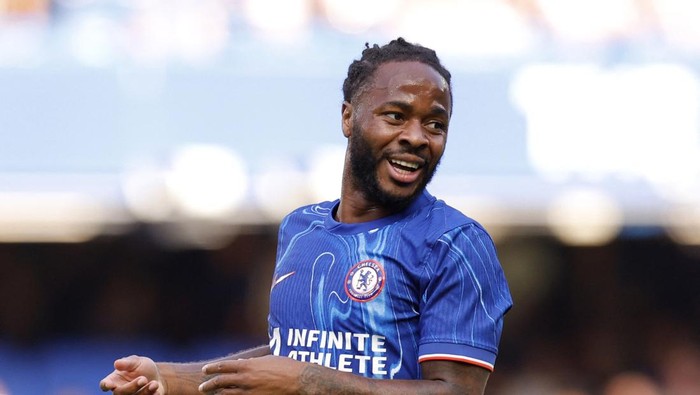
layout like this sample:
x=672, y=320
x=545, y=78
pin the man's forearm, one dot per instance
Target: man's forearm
x=320, y=380
x=439, y=377
x=185, y=378
x=282, y=375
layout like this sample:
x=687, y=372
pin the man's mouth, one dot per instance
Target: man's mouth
x=403, y=165
x=405, y=171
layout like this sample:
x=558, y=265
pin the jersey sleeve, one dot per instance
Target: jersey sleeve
x=464, y=300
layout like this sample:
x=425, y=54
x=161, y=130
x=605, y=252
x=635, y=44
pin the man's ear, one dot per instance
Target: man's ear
x=346, y=118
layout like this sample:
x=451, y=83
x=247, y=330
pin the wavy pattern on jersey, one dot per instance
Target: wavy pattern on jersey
x=329, y=307
x=312, y=210
x=380, y=246
x=473, y=262
x=444, y=294
x=388, y=245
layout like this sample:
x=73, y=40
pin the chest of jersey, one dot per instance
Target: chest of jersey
x=350, y=302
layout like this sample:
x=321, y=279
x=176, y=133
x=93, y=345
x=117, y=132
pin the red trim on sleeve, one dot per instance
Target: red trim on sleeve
x=455, y=358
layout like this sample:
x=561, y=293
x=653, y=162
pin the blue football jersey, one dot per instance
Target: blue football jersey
x=379, y=297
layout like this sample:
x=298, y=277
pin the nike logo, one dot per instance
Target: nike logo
x=280, y=279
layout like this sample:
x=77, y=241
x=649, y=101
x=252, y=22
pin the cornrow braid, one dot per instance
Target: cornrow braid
x=361, y=71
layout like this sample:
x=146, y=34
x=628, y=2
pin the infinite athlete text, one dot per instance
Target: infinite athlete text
x=366, y=351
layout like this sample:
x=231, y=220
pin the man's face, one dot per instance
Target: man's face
x=397, y=132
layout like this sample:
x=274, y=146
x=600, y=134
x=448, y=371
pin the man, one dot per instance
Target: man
x=386, y=290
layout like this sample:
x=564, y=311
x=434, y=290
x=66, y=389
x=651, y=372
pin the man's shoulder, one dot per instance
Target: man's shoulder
x=438, y=217
x=311, y=212
x=440, y=212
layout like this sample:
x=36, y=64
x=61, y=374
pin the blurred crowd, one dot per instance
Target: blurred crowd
x=621, y=319
x=196, y=30
x=129, y=287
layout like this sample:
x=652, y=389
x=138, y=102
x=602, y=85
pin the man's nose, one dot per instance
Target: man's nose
x=414, y=134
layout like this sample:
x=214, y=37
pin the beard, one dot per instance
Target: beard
x=363, y=170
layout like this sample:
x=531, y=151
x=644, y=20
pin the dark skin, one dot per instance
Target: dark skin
x=403, y=116
x=280, y=375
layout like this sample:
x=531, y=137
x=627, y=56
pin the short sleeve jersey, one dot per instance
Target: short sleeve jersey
x=379, y=297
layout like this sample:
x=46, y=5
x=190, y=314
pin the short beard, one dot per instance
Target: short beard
x=363, y=170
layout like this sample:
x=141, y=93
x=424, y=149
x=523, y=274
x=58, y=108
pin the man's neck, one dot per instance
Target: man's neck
x=355, y=208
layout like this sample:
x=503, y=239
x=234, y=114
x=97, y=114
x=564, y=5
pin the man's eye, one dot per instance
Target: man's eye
x=394, y=115
x=437, y=125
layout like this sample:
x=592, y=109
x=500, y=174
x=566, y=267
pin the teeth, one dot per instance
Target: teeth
x=411, y=165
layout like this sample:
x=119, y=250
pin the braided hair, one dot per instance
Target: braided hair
x=361, y=71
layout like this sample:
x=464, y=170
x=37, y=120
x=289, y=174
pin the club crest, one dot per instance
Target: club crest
x=365, y=281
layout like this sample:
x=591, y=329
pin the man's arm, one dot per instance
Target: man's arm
x=280, y=375
x=141, y=374
x=185, y=378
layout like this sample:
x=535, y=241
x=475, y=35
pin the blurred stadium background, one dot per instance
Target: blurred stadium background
x=149, y=148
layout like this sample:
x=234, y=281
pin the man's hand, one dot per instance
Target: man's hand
x=264, y=375
x=134, y=375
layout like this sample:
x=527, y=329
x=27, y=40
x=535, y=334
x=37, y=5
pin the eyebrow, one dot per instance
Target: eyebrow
x=435, y=110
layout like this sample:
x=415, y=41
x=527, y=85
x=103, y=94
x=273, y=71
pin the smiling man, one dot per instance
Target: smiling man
x=396, y=131
x=385, y=290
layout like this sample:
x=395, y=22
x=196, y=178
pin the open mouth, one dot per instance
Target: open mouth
x=404, y=166
x=404, y=171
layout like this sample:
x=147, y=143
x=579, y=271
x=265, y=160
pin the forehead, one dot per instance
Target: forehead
x=416, y=78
